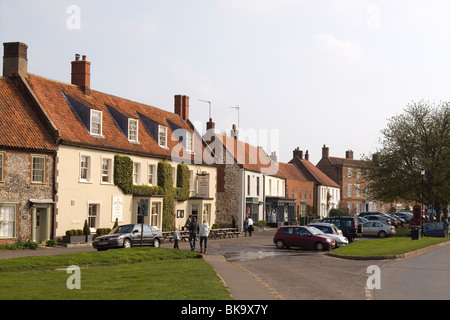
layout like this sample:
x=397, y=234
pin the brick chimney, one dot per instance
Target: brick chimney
x=15, y=59
x=210, y=125
x=181, y=106
x=81, y=74
x=307, y=155
x=349, y=154
x=298, y=153
x=325, y=152
x=234, y=131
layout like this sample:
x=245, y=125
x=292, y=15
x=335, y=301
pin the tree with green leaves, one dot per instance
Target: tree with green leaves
x=414, y=156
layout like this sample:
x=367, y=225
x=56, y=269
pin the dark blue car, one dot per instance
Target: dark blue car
x=434, y=229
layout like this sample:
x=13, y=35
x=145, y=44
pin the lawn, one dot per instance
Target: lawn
x=396, y=245
x=136, y=273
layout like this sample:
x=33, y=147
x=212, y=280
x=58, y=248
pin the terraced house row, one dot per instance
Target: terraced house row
x=70, y=154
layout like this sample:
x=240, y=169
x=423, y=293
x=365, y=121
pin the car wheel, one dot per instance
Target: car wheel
x=319, y=246
x=156, y=243
x=382, y=234
x=127, y=243
x=280, y=244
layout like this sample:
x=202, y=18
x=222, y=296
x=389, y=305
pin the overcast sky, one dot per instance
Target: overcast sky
x=303, y=73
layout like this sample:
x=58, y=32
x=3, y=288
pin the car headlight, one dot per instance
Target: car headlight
x=329, y=240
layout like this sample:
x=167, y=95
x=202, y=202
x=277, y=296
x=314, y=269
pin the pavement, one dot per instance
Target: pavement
x=241, y=283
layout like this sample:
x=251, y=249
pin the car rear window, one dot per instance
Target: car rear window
x=287, y=230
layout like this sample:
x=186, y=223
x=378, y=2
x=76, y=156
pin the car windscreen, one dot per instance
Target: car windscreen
x=123, y=229
x=314, y=231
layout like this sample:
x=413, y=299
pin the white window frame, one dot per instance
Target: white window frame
x=39, y=171
x=358, y=190
x=349, y=172
x=97, y=216
x=151, y=174
x=137, y=173
x=96, y=114
x=6, y=221
x=189, y=141
x=162, y=135
x=87, y=169
x=349, y=190
x=133, y=130
x=108, y=173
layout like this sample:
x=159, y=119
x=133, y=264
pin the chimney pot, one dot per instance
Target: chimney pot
x=81, y=74
x=181, y=106
x=325, y=152
x=15, y=59
x=298, y=153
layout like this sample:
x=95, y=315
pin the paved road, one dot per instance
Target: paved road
x=423, y=277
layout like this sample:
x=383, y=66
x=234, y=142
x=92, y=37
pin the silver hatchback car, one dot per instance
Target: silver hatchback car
x=379, y=229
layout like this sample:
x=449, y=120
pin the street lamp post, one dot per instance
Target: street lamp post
x=422, y=173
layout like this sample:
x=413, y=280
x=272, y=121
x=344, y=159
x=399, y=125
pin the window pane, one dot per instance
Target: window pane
x=96, y=122
x=7, y=219
x=38, y=169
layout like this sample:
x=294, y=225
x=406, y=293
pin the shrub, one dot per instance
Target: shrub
x=86, y=229
x=51, y=243
x=215, y=226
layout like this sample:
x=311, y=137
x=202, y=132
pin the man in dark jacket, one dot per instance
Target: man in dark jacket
x=193, y=226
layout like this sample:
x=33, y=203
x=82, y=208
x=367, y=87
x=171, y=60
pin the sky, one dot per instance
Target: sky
x=303, y=73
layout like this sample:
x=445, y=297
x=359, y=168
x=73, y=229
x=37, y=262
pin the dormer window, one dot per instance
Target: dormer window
x=96, y=122
x=162, y=136
x=189, y=142
x=133, y=126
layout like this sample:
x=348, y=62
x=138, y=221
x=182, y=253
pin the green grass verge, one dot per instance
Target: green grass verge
x=399, y=244
x=136, y=273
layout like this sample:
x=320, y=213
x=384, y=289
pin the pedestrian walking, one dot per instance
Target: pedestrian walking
x=250, y=226
x=245, y=226
x=193, y=226
x=204, y=233
x=176, y=238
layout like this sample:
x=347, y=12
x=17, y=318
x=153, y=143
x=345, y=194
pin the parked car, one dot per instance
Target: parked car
x=407, y=216
x=362, y=220
x=129, y=235
x=434, y=229
x=392, y=220
x=304, y=237
x=349, y=225
x=379, y=218
x=379, y=229
x=331, y=230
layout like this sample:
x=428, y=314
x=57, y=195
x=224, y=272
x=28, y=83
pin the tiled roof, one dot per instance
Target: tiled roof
x=19, y=127
x=290, y=171
x=66, y=104
x=346, y=161
x=313, y=173
x=250, y=157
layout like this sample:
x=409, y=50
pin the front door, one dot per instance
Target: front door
x=41, y=224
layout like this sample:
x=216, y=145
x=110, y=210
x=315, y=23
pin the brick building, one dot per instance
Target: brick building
x=27, y=160
x=350, y=174
x=298, y=188
x=327, y=194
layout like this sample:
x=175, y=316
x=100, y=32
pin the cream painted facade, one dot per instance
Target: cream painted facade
x=86, y=191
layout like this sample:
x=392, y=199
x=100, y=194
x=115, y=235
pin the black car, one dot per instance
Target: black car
x=129, y=235
x=349, y=225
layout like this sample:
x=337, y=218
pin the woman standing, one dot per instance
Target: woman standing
x=204, y=233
